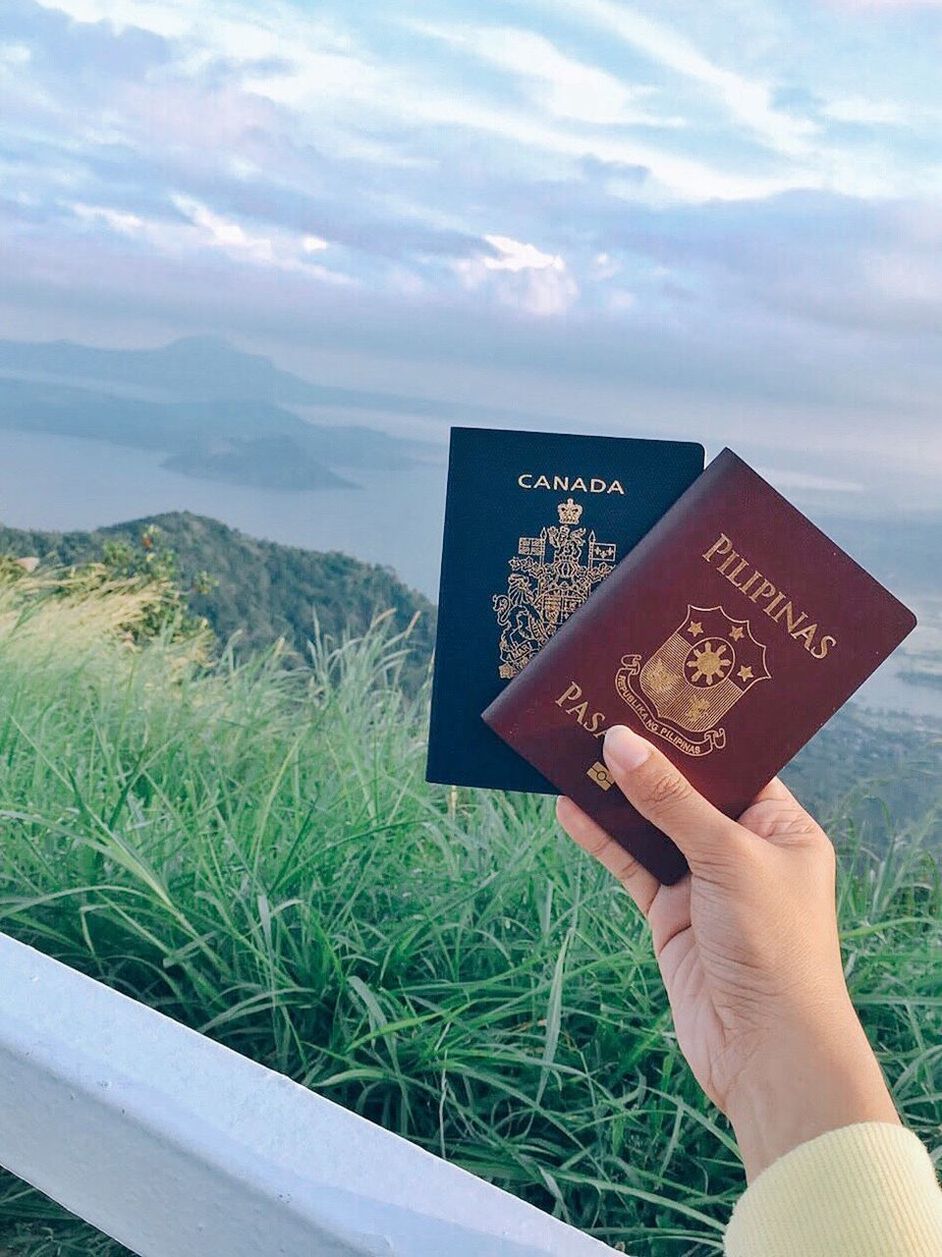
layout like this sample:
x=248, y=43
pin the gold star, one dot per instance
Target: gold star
x=745, y=673
x=696, y=628
x=736, y=633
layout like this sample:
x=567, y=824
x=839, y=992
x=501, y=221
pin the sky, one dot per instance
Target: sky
x=720, y=221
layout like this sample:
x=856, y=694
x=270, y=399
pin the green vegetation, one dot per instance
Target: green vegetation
x=253, y=851
x=258, y=589
x=880, y=772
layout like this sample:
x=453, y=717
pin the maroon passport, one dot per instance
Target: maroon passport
x=727, y=636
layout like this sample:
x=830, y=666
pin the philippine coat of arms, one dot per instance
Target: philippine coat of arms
x=550, y=576
x=693, y=679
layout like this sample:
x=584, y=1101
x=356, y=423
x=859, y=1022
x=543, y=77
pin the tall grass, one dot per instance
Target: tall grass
x=255, y=853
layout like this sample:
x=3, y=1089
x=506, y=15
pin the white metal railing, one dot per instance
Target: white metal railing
x=178, y=1147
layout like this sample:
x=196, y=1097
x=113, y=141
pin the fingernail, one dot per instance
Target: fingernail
x=624, y=748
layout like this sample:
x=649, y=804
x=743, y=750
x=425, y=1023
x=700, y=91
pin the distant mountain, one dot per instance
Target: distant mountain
x=252, y=443
x=204, y=367
x=265, y=589
x=217, y=412
x=192, y=367
x=270, y=462
x=247, y=442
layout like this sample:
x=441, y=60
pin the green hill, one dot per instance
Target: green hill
x=262, y=589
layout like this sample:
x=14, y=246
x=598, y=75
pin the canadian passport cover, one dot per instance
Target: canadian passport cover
x=534, y=522
x=727, y=637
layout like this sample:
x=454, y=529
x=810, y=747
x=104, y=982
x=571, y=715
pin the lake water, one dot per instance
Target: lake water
x=64, y=483
x=61, y=483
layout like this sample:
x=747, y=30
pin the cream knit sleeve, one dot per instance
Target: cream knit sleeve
x=868, y=1190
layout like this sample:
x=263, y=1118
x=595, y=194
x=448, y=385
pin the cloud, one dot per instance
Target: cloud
x=619, y=300
x=813, y=258
x=197, y=228
x=239, y=75
x=164, y=17
x=907, y=280
x=514, y=256
x=859, y=109
x=91, y=52
x=521, y=276
x=680, y=177
x=222, y=233
x=561, y=85
x=720, y=364
x=124, y=224
x=889, y=4
x=14, y=55
x=748, y=101
x=806, y=480
x=497, y=198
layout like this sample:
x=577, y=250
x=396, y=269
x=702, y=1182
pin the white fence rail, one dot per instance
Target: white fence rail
x=178, y=1147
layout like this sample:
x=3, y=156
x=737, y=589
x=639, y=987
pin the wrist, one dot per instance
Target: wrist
x=813, y=1080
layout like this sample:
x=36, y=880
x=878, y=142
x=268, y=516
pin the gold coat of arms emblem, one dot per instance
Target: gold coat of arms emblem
x=683, y=691
x=550, y=576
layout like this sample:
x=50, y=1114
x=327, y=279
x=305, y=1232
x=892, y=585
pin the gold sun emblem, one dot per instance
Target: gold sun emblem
x=709, y=662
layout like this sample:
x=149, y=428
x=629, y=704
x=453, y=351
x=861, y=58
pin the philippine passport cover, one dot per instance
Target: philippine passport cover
x=534, y=522
x=727, y=637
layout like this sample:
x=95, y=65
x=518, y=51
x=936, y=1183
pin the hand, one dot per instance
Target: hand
x=748, y=949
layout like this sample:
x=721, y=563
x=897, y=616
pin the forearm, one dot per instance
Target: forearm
x=821, y=1075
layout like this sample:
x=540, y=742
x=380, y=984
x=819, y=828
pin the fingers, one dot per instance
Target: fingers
x=661, y=793
x=641, y=885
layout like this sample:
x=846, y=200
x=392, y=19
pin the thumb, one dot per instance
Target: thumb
x=664, y=796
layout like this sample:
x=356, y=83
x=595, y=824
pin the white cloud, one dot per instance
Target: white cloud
x=295, y=107
x=547, y=293
x=14, y=55
x=202, y=228
x=748, y=101
x=681, y=178
x=123, y=223
x=164, y=17
x=604, y=266
x=561, y=85
x=515, y=256
x=224, y=233
x=521, y=276
x=867, y=112
x=336, y=93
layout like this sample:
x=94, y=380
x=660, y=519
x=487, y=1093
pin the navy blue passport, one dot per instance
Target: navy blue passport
x=534, y=521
